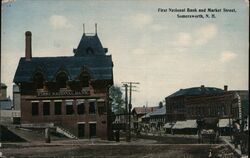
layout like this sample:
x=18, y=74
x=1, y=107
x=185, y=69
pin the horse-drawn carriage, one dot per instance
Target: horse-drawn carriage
x=208, y=130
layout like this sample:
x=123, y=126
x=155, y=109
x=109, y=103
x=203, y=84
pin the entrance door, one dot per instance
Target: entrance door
x=92, y=130
x=81, y=130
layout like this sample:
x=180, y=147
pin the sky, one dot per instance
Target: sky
x=162, y=52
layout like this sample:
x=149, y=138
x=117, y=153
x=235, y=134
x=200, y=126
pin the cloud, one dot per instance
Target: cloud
x=7, y=1
x=140, y=20
x=205, y=34
x=227, y=56
x=59, y=22
x=199, y=37
x=183, y=39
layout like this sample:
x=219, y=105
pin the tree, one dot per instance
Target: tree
x=116, y=100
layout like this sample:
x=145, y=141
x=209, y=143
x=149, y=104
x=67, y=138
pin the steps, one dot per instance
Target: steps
x=65, y=132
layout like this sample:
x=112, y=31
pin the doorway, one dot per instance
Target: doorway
x=92, y=130
x=81, y=130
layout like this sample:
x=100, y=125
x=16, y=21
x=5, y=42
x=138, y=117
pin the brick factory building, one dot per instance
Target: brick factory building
x=69, y=91
x=206, y=102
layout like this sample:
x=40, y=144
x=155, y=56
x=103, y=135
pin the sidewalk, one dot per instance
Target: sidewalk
x=237, y=150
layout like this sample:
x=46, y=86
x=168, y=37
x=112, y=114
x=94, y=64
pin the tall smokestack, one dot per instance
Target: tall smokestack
x=28, y=48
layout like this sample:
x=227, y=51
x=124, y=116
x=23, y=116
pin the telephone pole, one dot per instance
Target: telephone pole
x=129, y=106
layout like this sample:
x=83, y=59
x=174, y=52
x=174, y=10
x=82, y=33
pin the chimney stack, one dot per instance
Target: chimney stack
x=28, y=48
x=95, y=28
x=225, y=87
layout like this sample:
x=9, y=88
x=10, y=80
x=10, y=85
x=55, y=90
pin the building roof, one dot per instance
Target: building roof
x=143, y=110
x=185, y=124
x=90, y=45
x=99, y=67
x=196, y=91
x=159, y=111
x=147, y=115
x=89, y=56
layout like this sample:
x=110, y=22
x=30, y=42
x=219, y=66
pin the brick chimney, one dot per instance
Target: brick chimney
x=28, y=48
x=225, y=87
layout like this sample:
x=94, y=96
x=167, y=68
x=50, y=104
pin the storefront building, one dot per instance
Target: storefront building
x=203, y=102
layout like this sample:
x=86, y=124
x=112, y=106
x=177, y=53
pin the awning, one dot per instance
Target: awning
x=223, y=123
x=168, y=125
x=185, y=124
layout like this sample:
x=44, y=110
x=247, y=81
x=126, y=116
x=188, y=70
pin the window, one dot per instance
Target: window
x=92, y=109
x=58, y=108
x=101, y=108
x=89, y=51
x=69, y=108
x=61, y=80
x=46, y=108
x=35, y=110
x=38, y=80
x=80, y=108
x=84, y=79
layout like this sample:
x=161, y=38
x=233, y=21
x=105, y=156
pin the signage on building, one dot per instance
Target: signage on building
x=63, y=93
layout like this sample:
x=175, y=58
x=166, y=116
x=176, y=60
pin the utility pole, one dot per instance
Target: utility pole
x=130, y=105
x=126, y=110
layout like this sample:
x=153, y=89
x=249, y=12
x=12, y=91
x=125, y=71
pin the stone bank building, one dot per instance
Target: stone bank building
x=69, y=91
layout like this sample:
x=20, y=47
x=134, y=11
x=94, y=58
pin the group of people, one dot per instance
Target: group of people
x=240, y=135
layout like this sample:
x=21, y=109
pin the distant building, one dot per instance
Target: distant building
x=138, y=113
x=157, y=118
x=69, y=91
x=204, y=102
x=3, y=91
x=16, y=98
x=5, y=102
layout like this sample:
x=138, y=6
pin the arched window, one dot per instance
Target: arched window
x=84, y=79
x=61, y=80
x=38, y=80
x=89, y=50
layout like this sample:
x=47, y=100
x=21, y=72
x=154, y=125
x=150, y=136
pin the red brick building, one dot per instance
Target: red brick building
x=205, y=102
x=69, y=91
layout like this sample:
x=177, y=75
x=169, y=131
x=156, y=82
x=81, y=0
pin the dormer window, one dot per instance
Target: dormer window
x=38, y=80
x=84, y=79
x=90, y=51
x=61, y=80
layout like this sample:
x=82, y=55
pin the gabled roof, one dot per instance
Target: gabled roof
x=143, y=110
x=99, y=67
x=159, y=111
x=89, y=45
x=196, y=91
